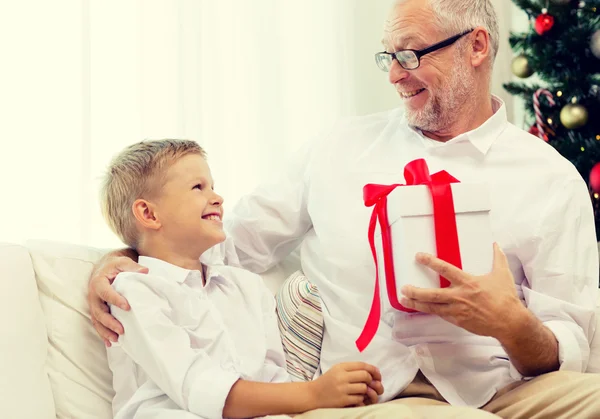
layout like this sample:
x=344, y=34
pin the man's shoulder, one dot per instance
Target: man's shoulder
x=373, y=122
x=539, y=153
x=358, y=131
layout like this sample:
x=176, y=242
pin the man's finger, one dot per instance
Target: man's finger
x=108, y=294
x=127, y=265
x=445, y=269
x=101, y=314
x=428, y=295
x=430, y=308
x=500, y=260
x=107, y=335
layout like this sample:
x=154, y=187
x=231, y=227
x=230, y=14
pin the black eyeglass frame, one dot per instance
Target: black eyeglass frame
x=420, y=53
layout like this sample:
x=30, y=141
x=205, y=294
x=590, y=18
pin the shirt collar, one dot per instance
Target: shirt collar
x=164, y=269
x=167, y=270
x=481, y=137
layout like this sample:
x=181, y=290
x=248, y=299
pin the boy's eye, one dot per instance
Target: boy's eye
x=198, y=186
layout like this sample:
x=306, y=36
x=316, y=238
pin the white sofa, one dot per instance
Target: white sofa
x=52, y=364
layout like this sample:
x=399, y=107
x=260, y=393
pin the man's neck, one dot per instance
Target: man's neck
x=471, y=117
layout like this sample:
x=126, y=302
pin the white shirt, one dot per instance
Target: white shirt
x=186, y=344
x=541, y=217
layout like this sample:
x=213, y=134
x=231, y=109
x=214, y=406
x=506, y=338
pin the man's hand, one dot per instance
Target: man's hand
x=348, y=384
x=100, y=292
x=486, y=305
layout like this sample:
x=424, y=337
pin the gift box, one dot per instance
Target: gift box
x=434, y=214
x=411, y=223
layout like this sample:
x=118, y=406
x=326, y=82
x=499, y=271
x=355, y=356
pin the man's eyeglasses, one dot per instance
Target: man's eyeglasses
x=410, y=59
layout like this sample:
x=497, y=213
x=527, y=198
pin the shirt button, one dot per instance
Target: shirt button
x=420, y=351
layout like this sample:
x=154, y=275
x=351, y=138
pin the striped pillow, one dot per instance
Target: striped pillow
x=301, y=326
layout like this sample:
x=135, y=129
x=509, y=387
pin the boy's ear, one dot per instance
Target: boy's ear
x=145, y=213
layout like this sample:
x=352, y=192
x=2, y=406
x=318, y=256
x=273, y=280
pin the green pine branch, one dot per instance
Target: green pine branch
x=530, y=6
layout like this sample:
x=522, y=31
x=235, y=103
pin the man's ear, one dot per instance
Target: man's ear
x=481, y=46
x=145, y=213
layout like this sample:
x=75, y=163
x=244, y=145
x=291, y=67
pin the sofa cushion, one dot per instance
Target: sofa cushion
x=301, y=325
x=24, y=386
x=76, y=364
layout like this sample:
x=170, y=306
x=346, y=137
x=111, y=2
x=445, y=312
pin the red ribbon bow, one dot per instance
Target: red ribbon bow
x=446, y=235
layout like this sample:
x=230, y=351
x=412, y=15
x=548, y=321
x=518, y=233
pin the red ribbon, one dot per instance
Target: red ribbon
x=446, y=235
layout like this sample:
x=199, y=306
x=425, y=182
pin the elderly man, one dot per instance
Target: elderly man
x=513, y=342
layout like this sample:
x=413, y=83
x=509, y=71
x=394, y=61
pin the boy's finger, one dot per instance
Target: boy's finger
x=377, y=386
x=358, y=388
x=356, y=366
x=374, y=371
x=371, y=396
x=362, y=376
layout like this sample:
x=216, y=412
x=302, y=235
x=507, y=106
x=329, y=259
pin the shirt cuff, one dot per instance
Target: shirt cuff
x=570, y=354
x=207, y=398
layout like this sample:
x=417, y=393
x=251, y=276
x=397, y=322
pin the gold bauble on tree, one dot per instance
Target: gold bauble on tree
x=520, y=67
x=574, y=116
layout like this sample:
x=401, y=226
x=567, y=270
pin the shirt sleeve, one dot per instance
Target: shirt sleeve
x=156, y=339
x=275, y=366
x=561, y=267
x=270, y=222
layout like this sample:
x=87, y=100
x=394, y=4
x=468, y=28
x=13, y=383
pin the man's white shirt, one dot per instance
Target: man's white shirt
x=541, y=217
x=186, y=344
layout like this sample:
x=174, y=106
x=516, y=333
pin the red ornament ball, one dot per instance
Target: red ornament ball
x=595, y=178
x=544, y=23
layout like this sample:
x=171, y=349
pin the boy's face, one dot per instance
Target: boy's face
x=189, y=210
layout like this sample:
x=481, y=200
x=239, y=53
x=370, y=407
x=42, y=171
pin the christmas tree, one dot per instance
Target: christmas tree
x=562, y=48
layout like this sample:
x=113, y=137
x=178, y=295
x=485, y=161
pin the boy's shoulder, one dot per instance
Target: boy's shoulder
x=136, y=282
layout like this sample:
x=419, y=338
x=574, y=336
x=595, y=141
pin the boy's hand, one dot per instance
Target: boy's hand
x=100, y=292
x=348, y=384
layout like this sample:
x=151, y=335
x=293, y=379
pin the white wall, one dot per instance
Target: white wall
x=81, y=79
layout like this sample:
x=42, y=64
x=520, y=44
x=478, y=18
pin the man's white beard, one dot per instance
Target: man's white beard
x=443, y=109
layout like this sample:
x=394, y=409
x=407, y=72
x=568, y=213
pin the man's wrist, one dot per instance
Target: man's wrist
x=518, y=321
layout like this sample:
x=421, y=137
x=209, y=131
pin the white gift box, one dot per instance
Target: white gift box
x=410, y=215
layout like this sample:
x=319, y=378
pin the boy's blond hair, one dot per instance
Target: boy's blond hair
x=138, y=172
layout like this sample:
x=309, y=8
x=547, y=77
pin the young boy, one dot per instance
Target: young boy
x=200, y=341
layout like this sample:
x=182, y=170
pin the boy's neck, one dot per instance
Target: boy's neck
x=182, y=259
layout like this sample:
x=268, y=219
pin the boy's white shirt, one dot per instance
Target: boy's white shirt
x=186, y=344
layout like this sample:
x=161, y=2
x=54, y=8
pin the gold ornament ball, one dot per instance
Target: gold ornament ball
x=595, y=44
x=520, y=67
x=574, y=116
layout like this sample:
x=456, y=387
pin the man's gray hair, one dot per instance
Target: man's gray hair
x=457, y=16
